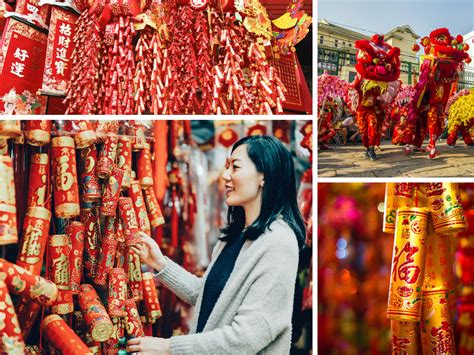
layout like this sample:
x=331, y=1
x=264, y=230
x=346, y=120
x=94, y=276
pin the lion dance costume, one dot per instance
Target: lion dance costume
x=378, y=68
x=439, y=75
x=460, y=110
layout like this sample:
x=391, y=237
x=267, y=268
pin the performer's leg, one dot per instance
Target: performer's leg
x=453, y=136
x=466, y=136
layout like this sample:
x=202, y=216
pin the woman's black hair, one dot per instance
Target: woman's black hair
x=274, y=160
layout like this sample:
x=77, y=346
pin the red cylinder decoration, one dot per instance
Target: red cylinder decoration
x=133, y=269
x=11, y=340
x=75, y=232
x=59, y=249
x=144, y=170
x=10, y=128
x=128, y=218
x=150, y=297
x=38, y=132
x=86, y=135
x=91, y=240
x=112, y=192
x=154, y=211
x=35, y=237
x=139, y=139
x=107, y=255
x=135, y=193
x=90, y=185
x=107, y=156
x=117, y=292
x=38, y=181
x=8, y=227
x=124, y=159
x=63, y=338
x=66, y=190
x=33, y=287
x=98, y=321
x=133, y=324
x=111, y=345
x=27, y=312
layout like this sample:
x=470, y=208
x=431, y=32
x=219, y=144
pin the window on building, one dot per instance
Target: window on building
x=343, y=44
x=350, y=44
x=352, y=76
x=336, y=42
x=352, y=59
x=321, y=39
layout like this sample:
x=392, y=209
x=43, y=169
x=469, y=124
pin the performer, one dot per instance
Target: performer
x=460, y=111
x=378, y=68
x=326, y=129
x=439, y=75
x=244, y=301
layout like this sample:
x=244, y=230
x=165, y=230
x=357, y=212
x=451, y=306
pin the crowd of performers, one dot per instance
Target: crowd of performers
x=379, y=103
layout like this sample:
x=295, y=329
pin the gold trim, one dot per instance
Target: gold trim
x=38, y=137
x=85, y=139
x=146, y=182
x=63, y=141
x=102, y=331
x=68, y=210
x=7, y=208
x=147, y=276
x=58, y=240
x=157, y=222
x=50, y=319
x=40, y=158
x=39, y=212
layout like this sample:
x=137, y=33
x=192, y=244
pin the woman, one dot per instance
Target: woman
x=244, y=301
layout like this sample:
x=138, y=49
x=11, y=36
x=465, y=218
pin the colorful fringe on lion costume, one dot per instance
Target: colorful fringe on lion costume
x=378, y=69
x=460, y=111
x=439, y=76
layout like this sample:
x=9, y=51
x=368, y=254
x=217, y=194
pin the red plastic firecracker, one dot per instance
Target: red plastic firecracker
x=11, y=341
x=107, y=254
x=124, y=159
x=117, y=292
x=8, y=224
x=23, y=283
x=59, y=249
x=112, y=192
x=86, y=135
x=62, y=337
x=90, y=219
x=27, y=313
x=90, y=185
x=133, y=324
x=144, y=170
x=128, y=217
x=39, y=181
x=154, y=211
x=38, y=132
x=75, y=232
x=137, y=131
x=107, y=156
x=98, y=321
x=35, y=237
x=133, y=269
x=135, y=193
x=66, y=189
x=150, y=297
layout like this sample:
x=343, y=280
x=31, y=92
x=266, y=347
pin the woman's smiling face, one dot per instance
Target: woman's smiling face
x=242, y=180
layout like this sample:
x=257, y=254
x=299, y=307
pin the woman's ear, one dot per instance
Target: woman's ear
x=262, y=181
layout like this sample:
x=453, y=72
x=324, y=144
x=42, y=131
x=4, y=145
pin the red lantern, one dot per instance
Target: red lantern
x=8, y=227
x=35, y=237
x=66, y=190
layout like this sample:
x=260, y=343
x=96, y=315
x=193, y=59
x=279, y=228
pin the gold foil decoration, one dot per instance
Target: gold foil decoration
x=405, y=337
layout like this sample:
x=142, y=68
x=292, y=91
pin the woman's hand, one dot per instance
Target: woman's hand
x=150, y=253
x=149, y=345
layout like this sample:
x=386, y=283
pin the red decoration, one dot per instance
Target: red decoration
x=90, y=185
x=124, y=159
x=117, y=292
x=75, y=232
x=11, y=341
x=85, y=135
x=92, y=240
x=58, y=249
x=107, y=156
x=63, y=338
x=150, y=297
x=144, y=170
x=154, y=211
x=38, y=132
x=112, y=192
x=107, y=254
x=35, y=237
x=8, y=224
x=135, y=193
x=39, y=181
x=134, y=325
x=66, y=190
x=133, y=269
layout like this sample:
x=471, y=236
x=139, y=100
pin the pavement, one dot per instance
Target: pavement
x=350, y=161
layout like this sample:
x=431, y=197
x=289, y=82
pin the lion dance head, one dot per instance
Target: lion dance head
x=377, y=60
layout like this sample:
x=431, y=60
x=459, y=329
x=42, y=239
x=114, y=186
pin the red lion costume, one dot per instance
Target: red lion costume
x=439, y=75
x=378, y=68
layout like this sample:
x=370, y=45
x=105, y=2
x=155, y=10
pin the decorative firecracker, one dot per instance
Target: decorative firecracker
x=38, y=132
x=8, y=224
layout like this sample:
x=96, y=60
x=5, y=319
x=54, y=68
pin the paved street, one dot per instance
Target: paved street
x=349, y=161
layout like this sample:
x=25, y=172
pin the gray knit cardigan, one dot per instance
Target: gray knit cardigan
x=253, y=312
